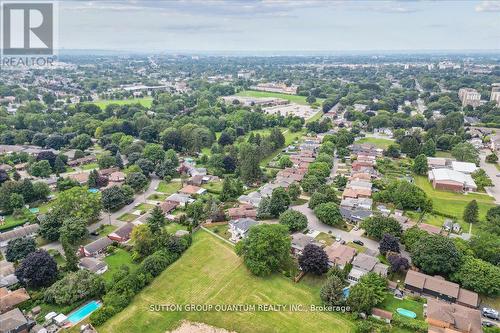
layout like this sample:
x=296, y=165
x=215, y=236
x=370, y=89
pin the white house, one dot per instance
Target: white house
x=464, y=167
x=239, y=228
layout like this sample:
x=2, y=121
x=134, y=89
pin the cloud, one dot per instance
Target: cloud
x=488, y=6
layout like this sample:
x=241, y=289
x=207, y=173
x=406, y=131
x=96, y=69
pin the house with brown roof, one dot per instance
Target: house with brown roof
x=109, y=171
x=192, y=190
x=431, y=229
x=437, y=286
x=122, y=234
x=81, y=177
x=14, y=321
x=444, y=317
x=168, y=206
x=96, y=247
x=357, y=193
x=339, y=254
x=10, y=299
x=382, y=315
x=243, y=210
x=117, y=177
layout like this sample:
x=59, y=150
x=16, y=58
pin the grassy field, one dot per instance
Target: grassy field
x=169, y=188
x=116, y=260
x=221, y=230
x=213, y=187
x=89, y=166
x=157, y=197
x=173, y=227
x=326, y=238
x=292, y=98
x=11, y=221
x=127, y=217
x=445, y=154
x=453, y=204
x=211, y=273
x=378, y=142
x=144, y=101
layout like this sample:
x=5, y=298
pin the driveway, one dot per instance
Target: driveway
x=492, y=172
x=315, y=224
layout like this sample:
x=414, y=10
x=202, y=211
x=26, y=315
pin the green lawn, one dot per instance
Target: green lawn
x=359, y=248
x=445, y=154
x=14, y=221
x=173, y=227
x=213, y=187
x=106, y=230
x=292, y=98
x=326, y=238
x=211, y=273
x=157, y=197
x=391, y=304
x=116, y=260
x=378, y=142
x=89, y=166
x=453, y=204
x=144, y=101
x=145, y=207
x=169, y=188
x=127, y=217
x=221, y=230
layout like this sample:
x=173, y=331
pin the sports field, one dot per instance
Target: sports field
x=378, y=142
x=211, y=273
x=144, y=101
x=292, y=98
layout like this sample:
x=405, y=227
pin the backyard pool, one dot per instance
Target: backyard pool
x=83, y=312
x=406, y=313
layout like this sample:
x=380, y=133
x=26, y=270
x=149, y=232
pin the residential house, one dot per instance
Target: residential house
x=192, y=190
x=180, y=199
x=82, y=161
x=445, y=317
x=299, y=242
x=239, y=228
x=451, y=180
x=80, y=177
x=117, y=177
x=108, y=172
x=6, y=167
x=362, y=203
x=14, y=321
x=339, y=254
x=464, y=167
x=93, y=265
x=437, y=286
x=252, y=198
x=404, y=221
x=436, y=162
x=10, y=299
x=355, y=215
x=96, y=247
x=356, y=193
x=168, y=206
x=25, y=231
x=7, y=276
x=382, y=315
x=243, y=210
x=363, y=264
x=122, y=234
x=359, y=185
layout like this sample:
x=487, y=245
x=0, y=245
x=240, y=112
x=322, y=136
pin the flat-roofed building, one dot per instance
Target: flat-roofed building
x=469, y=96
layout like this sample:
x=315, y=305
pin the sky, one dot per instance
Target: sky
x=279, y=25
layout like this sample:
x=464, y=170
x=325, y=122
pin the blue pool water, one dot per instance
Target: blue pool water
x=80, y=314
x=345, y=292
x=406, y=313
x=93, y=190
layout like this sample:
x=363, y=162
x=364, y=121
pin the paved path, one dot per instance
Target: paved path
x=492, y=172
x=315, y=224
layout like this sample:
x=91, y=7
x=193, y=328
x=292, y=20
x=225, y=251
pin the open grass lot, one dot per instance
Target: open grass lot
x=445, y=154
x=116, y=260
x=89, y=166
x=391, y=304
x=213, y=187
x=157, y=197
x=144, y=101
x=378, y=142
x=127, y=217
x=292, y=98
x=451, y=203
x=211, y=273
x=169, y=188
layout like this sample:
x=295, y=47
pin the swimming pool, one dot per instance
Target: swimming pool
x=406, y=313
x=83, y=312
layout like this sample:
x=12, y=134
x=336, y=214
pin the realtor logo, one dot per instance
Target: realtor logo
x=27, y=28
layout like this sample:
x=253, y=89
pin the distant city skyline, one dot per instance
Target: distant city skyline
x=279, y=25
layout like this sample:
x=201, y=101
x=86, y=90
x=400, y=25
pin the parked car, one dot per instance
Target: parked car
x=342, y=242
x=94, y=233
x=338, y=239
x=356, y=228
x=487, y=324
x=490, y=313
x=358, y=242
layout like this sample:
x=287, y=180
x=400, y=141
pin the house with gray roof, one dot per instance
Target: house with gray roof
x=26, y=231
x=299, y=242
x=239, y=228
x=355, y=215
x=364, y=264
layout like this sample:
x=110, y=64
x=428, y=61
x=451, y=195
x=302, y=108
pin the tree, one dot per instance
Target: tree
x=225, y=139
x=378, y=226
x=420, y=165
x=74, y=288
x=277, y=138
x=146, y=166
x=323, y=194
x=78, y=202
x=429, y=148
x=280, y=200
x=196, y=211
x=73, y=230
x=328, y=213
x=16, y=201
x=481, y=179
x=492, y=158
x=392, y=151
x=82, y=142
x=285, y=162
x=313, y=260
x=294, y=191
x=388, y=243
x=71, y=264
x=405, y=195
x=398, y=263
x=479, y=276
x=18, y=249
x=59, y=166
x=249, y=159
x=136, y=180
x=471, y=212
x=118, y=160
x=294, y=220
x=435, y=254
x=332, y=291
x=154, y=152
x=114, y=198
x=367, y=293
x=40, y=169
x=37, y=270
x=266, y=248
x=485, y=245
x=231, y=189
x=4, y=176
x=411, y=236
x=465, y=152
x=156, y=221
x=143, y=240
